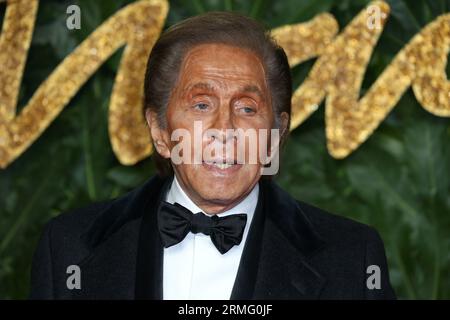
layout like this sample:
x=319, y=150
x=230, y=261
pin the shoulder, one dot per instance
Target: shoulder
x=351, y=248
x=333, y=226
x=329, y=226
x=98, y=220
x=313, y=229
x=76, y=221
x=342, y=234
x=110, y=213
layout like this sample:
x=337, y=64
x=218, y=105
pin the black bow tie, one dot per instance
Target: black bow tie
x=175, y=222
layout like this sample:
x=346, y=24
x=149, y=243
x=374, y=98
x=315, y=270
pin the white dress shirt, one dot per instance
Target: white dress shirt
x=194, y=268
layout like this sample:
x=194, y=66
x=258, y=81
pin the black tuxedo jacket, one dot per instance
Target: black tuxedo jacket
x=293, y=251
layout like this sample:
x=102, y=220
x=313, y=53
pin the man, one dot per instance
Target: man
x=210, y=226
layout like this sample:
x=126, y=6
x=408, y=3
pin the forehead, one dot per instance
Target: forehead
x=222, y=62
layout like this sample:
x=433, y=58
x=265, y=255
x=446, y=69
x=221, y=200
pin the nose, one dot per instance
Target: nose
x=223, y=125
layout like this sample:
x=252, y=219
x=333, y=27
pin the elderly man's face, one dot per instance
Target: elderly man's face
x=223, y=87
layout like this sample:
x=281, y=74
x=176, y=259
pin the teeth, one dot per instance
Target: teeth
x=221, y=166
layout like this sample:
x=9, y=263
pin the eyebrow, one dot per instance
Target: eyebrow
x=208, y=87
x=201, y=85
x=253, y=89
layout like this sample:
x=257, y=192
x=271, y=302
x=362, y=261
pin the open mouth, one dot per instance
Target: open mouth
x=221, y=164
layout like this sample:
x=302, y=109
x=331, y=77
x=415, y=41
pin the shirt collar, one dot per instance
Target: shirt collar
x=247, y=205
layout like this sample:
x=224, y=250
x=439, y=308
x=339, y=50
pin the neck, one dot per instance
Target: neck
x=213, y=206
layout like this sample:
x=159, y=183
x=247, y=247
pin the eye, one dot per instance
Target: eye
x=245, y=106
x=248, y=110
x=201, y=106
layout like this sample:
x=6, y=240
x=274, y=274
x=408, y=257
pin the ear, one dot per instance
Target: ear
x=284, y=123
x=159, y=135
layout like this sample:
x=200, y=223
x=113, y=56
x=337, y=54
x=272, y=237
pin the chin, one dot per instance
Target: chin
x=224, y=193
x=221, y=186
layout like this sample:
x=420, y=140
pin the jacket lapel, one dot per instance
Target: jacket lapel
x=125, y=260
x=108, y=271
x=149, y=268
x=274, y=264
x=244, y=285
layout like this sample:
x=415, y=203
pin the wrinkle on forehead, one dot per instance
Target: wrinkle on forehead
x=211, y=87
x=228, y=64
